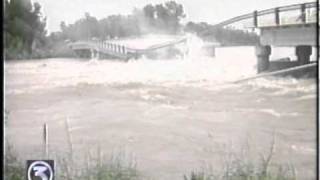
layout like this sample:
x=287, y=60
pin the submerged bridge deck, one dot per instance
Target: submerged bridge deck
x=122, y=49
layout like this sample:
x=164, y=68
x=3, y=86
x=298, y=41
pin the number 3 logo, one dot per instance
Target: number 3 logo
x=40, y=169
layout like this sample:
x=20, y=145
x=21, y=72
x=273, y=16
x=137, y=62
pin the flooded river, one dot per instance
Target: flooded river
x=173, y=116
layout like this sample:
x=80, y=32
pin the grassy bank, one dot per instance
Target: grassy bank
x=121, y=166
x=96, y=167
x=246, y=164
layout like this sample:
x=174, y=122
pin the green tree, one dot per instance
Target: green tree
x=165, y=17
x=24, y=28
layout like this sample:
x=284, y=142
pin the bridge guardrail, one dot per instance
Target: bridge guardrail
x=303, y=10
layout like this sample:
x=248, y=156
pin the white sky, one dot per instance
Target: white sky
x=211, y=11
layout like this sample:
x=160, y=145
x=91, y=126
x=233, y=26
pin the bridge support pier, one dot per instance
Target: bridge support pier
x=94, y=54
x=263, y=53
x=303, y=54
x=97, y=54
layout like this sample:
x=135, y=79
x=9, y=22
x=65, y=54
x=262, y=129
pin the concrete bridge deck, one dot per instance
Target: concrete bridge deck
x=291, y=26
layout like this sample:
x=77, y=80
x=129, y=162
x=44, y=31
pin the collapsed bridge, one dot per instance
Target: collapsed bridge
x=126, y=48
x=293, y=25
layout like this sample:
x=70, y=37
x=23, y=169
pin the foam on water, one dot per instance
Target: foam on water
x=229, y=64
x=281, y=86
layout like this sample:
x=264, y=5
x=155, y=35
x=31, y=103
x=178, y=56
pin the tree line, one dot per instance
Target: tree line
x=26, y=36
x=159, y=18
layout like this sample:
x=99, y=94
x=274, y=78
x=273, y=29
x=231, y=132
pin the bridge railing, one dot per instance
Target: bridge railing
x=119, y=50
x=103, y=46
x=304, y=13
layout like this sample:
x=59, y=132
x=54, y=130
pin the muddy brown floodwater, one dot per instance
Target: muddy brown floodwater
x=169, y=127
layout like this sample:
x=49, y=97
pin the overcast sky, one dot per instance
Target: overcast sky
x=211, y=11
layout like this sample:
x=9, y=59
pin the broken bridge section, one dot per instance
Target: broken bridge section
x=125, y=48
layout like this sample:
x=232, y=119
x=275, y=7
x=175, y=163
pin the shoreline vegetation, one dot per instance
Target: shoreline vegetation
x=26, y=37
x=120, y=165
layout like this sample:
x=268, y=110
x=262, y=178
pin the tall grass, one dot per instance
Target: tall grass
x=246, y=166
x=119, y=166
x=13, y=168
x=94, y=165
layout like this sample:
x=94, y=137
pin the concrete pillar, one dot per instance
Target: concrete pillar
x=92, y=53
x=136, y=55
x=303, y=53
x=123, y=50
x=213, y=52
x=263, y=53
x=112, y=47
x=97, y=54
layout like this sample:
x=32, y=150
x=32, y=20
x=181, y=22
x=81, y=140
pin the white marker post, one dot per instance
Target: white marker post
x=69, y=138
x=45, y=140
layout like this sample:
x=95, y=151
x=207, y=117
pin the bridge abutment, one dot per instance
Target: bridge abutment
x=263, y=55
x=303, y=54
